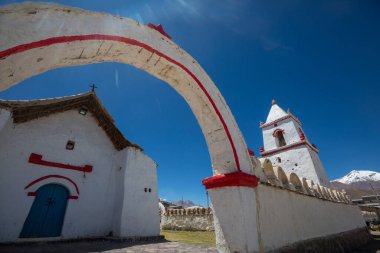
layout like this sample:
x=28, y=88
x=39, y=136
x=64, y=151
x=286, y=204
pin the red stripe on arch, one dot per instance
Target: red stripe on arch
x=54, y=176
x=63, y=39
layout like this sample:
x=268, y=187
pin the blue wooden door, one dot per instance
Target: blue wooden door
x=45, y=218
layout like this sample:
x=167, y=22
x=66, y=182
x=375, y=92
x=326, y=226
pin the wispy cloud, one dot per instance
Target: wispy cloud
x=242, y=17
x=269, y=44
x=117, y=78
x=158, y=105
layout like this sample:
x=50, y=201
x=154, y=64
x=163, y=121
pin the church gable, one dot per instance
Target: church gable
x=24, y=111
x=275, y=112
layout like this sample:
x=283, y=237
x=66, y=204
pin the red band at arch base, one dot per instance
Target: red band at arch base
x=229, y=180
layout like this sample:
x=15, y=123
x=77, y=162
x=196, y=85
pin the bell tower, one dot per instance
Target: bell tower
x=286, y=145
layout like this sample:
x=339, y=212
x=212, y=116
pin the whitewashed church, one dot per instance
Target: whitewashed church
x=66, y=172
x=286, y=145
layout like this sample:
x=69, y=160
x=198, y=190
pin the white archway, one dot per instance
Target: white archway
x=44, y=36
x=37, y=37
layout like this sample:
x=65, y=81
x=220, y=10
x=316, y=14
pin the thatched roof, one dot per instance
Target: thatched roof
x=26, y=110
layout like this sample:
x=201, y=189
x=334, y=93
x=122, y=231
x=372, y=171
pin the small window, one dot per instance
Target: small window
x=296, y=164
x=278, y=159
x=280, y=140
x=150, y=190
x=145, y=189
x=70, y=145
x=83, y=111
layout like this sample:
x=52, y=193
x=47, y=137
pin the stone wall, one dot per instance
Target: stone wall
x=188, y=219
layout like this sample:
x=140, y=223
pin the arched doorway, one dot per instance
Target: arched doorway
x=39, y=37
x=45, y=218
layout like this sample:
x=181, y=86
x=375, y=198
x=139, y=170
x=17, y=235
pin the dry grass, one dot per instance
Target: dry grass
x=201, y=238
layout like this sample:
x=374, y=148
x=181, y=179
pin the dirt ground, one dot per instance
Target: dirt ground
x=126, y=247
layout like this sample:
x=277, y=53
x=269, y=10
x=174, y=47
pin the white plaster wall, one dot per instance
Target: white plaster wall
x=141, y=214
x=4, y=118
x=234, y=221
x=291, y=134
x=275, y=112
x=120, y=159
x=319, y=169
x=93, y=213
x=287, y=217
x=298, y=155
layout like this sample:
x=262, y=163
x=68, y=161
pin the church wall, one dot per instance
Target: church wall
x=297, y=155
x=93, y=212
x=319, y=168
x=140, y=214
x=287, y=217
x=4, y=118
x=120, y=160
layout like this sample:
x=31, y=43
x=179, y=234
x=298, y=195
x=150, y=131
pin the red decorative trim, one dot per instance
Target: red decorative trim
x=280, y=119
x=302, y=135
x=50, y=176
x=301, y=143
x=229, y=180
x=66, y=39
x=159, y=29
x=33, y=194
x=262, y=149
x=251, y=153
x=37, y=159
x=276, y=132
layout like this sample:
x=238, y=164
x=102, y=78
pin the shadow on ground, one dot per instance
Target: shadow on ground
x=108, y=246
x=112, y=246
x=372, y=247
x=74, y=247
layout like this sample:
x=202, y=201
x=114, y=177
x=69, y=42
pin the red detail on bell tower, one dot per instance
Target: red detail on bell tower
x=302, y=135
x=251, y=153
x=262, y=149
x=159, y=29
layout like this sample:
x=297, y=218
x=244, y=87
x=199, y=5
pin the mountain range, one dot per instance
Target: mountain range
x=184, y=203
x=358, y=183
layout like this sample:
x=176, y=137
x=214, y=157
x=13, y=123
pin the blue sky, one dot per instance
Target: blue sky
x=318, y=58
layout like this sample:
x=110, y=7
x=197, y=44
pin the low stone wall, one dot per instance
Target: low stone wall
x=370, y=216
x=187, y=219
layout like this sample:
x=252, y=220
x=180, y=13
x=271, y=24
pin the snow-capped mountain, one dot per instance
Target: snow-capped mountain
x=359, y=182
x=359, y=176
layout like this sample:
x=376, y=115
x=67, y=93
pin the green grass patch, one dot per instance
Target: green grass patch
x=201, y=238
